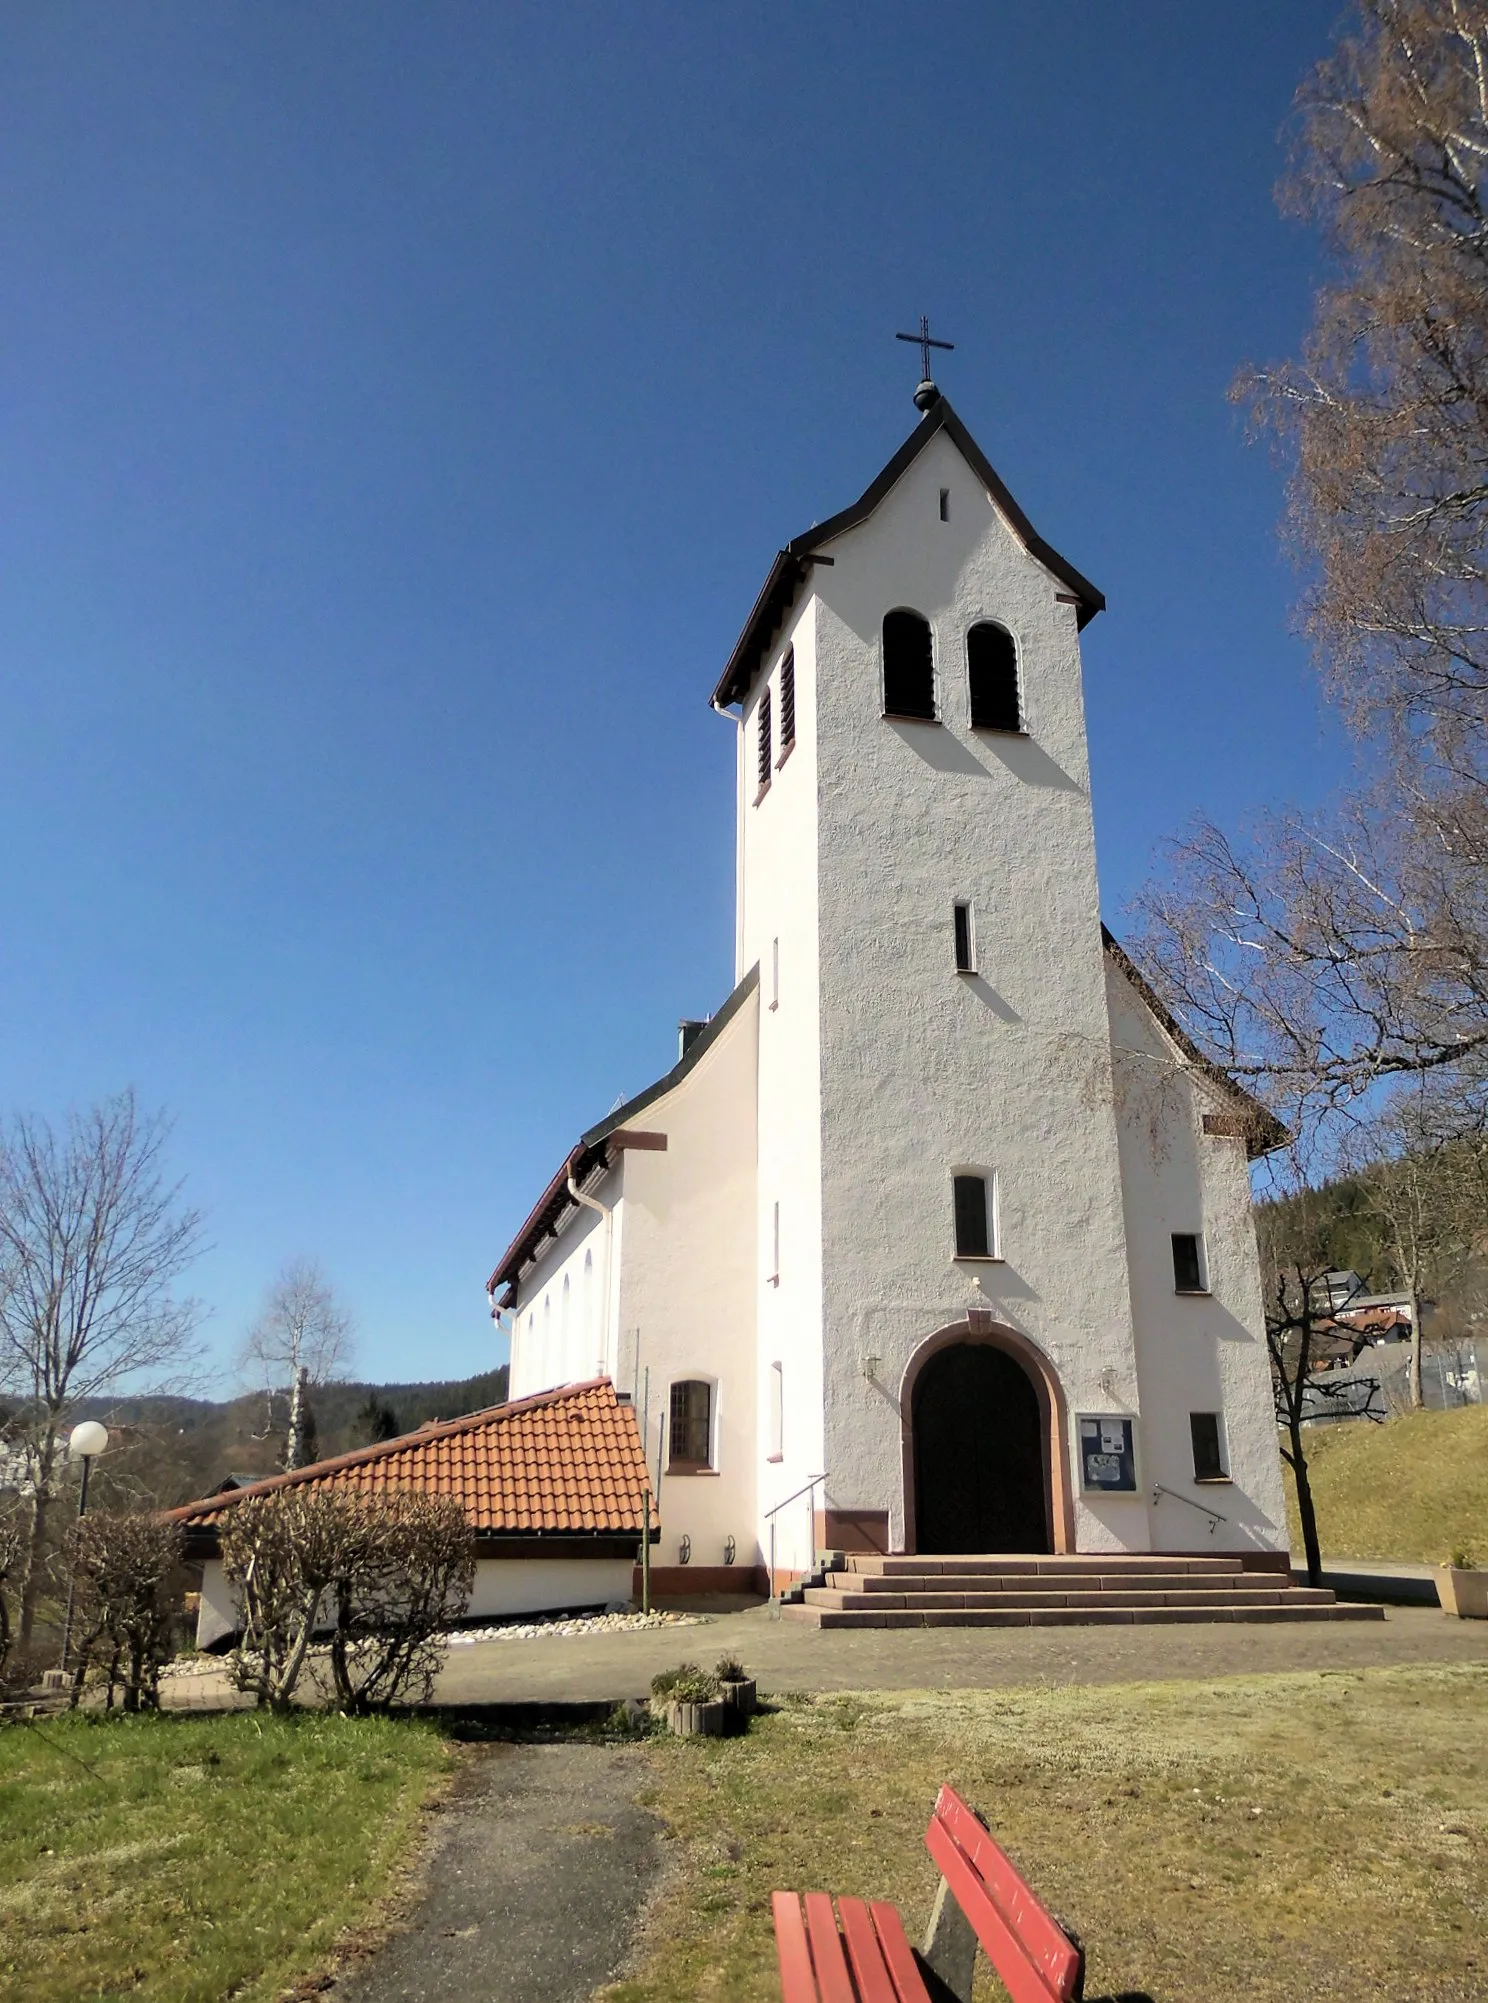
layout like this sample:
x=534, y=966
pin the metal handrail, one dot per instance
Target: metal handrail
x=815, y=1482
x=1215, y=1518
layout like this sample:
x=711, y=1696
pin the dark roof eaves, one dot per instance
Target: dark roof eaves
x=768, y=615
x=701, y=1044
x=1268, y=1133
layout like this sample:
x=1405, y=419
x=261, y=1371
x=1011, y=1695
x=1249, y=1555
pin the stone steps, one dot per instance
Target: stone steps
x=1109, y=1616
x=1081, y=1589
x=933, y=1602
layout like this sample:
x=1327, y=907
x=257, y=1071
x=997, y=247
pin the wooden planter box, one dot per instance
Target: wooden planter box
x=691, y=1721
x=1463, y=1592
x=740, y=1697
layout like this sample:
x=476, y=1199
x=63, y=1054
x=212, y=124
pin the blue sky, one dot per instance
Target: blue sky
x=399, y=409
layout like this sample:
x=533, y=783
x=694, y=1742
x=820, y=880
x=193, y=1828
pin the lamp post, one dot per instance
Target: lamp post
x=85, y=1443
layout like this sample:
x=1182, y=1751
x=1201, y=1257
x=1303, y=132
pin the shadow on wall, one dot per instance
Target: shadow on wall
x=943, y=751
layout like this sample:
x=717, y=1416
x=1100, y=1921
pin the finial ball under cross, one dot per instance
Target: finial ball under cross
x=926, y=396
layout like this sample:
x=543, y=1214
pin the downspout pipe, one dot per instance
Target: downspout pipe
x=607, y=1212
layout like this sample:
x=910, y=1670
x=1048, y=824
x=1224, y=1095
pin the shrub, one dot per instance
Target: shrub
x=690, y=1685
x=127, y=1586
x=730, y=1670
x=379, y=1576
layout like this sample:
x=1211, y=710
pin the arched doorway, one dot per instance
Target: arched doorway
x=979, y=1439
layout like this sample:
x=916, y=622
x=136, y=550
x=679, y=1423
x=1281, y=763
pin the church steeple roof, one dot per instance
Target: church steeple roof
x=792, y=566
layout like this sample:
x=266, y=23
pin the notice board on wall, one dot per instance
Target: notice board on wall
x=1108, y=1453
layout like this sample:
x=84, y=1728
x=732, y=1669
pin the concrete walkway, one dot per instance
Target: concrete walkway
x=535, y=1884
x=785, y=1656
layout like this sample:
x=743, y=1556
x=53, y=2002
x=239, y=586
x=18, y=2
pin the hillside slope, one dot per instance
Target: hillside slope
x=1414, y=1490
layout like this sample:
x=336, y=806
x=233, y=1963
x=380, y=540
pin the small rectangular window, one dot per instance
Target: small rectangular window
x=1208, y=1456
x=945, y=504
x=965, y=963
x=775, y=1248
x=691, y=1424
x=764, y=740
x=777, y=1412
x=973, y=1222
x=1188, y=1264
x=788, y=700
x=774, y=973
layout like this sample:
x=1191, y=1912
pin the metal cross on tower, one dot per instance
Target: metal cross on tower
x=926, y=395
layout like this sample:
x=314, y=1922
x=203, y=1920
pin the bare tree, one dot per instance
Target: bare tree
x=128, y=1567
x=379, y=1578
x=92, y=1242
x=302, y=1337
x=1425, y=1185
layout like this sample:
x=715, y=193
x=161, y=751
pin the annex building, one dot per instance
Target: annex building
x=937, y=1237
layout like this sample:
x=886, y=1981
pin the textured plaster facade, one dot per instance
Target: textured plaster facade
x=795, y=1243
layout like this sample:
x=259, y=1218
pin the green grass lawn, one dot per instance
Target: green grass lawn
x=1414, y=1489
x=1250, y=1840
x=200, y=1858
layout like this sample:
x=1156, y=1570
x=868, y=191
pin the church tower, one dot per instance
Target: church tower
x=948, y=1289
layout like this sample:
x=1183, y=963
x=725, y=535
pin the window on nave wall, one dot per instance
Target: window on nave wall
x=764, y=740
x=691, y=1430
x=992, y=676
x=908, y=666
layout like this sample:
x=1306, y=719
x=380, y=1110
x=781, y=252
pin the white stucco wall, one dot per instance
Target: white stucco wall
x=688, y=1285
x=924, y=1070
x=778, y=929
x=502, y=1586
x=1195, y=1352
x=560, y=1338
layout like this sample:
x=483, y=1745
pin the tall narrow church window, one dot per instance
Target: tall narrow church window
x=973, y=1217
x=965, y=952
x=764, y=740
x=691, y=1426
x=1208, y=1454
x=777, y=1412
x=774, y=973
x=1188, y=1263
x=992, y=672
x=775, y=1247
x=945, y=504
x=908, y=666
x=787, y=701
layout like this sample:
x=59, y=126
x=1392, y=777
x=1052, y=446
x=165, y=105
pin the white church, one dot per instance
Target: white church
x=937, y=1237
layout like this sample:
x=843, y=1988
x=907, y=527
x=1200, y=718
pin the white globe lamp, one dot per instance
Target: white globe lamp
x=87, y=1440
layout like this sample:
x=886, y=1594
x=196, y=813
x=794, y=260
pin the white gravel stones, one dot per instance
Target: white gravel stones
x=580, y=1624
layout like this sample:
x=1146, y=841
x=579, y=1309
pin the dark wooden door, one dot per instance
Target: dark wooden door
x=978, y=1454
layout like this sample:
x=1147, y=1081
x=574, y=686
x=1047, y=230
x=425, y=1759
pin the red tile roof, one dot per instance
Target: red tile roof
x=565, y=1461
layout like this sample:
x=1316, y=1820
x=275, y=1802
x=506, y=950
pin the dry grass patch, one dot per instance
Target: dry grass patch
x=1414, y=1490
x=1321, y=1835
x=192, y=1859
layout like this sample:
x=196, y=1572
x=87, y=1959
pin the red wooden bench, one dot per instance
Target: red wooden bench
x=859, y=1954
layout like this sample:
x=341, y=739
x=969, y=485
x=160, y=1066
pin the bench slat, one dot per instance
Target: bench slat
x=833, y=1982
x=864, y=1951
x=797, y=1982
x=898, y=1954
x=1021, y=1975
x=1044, y=1940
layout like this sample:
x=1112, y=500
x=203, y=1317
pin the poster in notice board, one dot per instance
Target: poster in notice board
x=1108, y=1454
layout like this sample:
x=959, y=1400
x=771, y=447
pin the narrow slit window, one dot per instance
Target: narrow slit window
x=1208, y=1450
x=775, y=1247
x=788, y=700
x=691, y=1424
x=764, y=739
x=777, y=1412
x=908, y=666
x=774, y=973
x=992, y=675
x=1188, y=1263
x=945, y=504
x=965, y=950
x=973, y=1217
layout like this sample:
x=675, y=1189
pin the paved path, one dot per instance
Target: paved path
x=786, y=1657
x=535, y=1884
